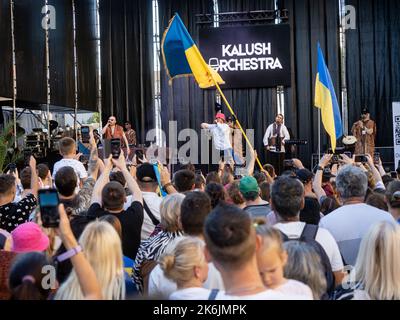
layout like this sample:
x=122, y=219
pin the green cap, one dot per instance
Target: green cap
x=248, y=184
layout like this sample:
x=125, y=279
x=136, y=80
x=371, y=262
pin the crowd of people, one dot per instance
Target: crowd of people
x=134, y=231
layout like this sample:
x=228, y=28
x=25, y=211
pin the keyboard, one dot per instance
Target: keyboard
x=296, y=142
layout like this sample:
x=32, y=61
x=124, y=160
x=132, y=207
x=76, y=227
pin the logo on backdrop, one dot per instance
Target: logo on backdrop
x=249, y=56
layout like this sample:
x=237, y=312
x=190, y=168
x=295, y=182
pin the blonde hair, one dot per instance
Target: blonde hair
x=102, y=247
x=178, y=265
x=67, y=146
x=270, y=235
x=378, y=262
x=170, y=212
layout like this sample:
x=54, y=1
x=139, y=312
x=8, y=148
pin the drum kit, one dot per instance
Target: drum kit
x=38, y=141
x=349, y=143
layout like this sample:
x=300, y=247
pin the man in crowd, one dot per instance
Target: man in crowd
x=251, y=193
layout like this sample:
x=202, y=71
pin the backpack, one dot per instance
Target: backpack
x=308, y=236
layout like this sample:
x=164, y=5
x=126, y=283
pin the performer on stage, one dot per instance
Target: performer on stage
x=365, y=131
x=276, y=134
x=113, y=131
x=130, y=133
x=236, y=139
x=221, y=135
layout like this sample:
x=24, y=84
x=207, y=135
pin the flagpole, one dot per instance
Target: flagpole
x=237, y=121
x=319, y=134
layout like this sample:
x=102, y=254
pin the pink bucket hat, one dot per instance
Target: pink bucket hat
x=28, y=237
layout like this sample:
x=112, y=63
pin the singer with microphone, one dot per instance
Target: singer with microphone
x=365, y=131
x=114, y=131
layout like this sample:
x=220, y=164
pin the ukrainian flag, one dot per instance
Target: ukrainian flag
x=325, y=99
x=182, y=58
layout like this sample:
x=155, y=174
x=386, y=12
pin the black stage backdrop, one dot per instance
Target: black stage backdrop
x=61, y=55
x=85, y=14
x=183, y=101
x=127, y=65
x=5, y=50
x=311, y=21
x=30, y=50
x=373, y=63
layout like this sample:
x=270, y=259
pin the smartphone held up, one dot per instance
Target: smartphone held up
x=48, y=203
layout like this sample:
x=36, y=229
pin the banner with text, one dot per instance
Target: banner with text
x=396, y=132
x=249, y=56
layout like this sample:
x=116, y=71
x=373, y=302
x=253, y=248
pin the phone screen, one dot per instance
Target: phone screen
x=85, y=134
x=115, y=148
x=360, y=158
x=376, y=157
x=48, y=202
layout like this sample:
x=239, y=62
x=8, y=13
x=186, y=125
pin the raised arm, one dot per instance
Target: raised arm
x=317, y=182
x=93, y=167
x=101, y=182
x=103, y=131
x=86, y=276
x=375, y=172
x=34, y=177
x=132, y=184
x=204, y=125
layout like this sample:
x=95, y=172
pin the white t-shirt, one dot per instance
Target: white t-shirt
x=294, y=287
x=78, y=167
x=161, y=286
x=264, y=295
x=221, y=135
x=294, y=229
x=153, y=201
x=348, y=224
x=190, y=294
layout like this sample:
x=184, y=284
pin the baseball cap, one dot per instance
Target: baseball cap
x=29, y=237
x=220, y=116
x=248, y=184
x=145, y=173
x=304, y=175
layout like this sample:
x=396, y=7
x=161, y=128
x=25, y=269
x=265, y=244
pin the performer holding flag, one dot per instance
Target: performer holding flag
x=183, y=58
x=326, y=101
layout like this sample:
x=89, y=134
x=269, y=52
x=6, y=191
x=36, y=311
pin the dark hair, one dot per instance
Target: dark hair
x=184, y=180
x=260, y=177
x=213, y=176
x=216, y=192
x=25, y=177
x=234, y=193
x=310, y=214
x=43, y=170
x=66, y=181
x=377, y=200
x=25, y=278
x=113, y=196
x=199, y=181
x=230, y=236
x=188, y=166
x=118, y=176
x=128, y=122
x=114, y=221
x=393, y=194
x=328, y=205
x=270, y=169
x=265, y=190
x=194, y=209
x=251, y=195
x=7, y=182
x=287, y=197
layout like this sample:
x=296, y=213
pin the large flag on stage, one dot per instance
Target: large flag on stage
x=182, y=57
x=325, y=99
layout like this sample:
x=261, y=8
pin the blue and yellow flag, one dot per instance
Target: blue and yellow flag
x=183, y=58
x=325, y=99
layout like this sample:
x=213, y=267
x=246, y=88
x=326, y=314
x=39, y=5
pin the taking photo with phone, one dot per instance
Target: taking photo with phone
x=48, y=203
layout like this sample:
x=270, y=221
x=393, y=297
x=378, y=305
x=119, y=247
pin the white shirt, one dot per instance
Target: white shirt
x=294, y=229
x=161, y=286
x=221, y=135
x=190, y=294
x=78, y=167
x=348, y=225
x=264, y=295
x=153, y=201
x=270, y=134
x=294, y=287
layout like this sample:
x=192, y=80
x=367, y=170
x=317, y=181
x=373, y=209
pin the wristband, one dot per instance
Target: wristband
x=69, y=254
x=165, y=186
x=320, y=168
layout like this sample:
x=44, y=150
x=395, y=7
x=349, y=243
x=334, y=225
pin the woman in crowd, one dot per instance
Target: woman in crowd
x=376, y=273
x=187, y=266
x=304, y=265
x=102, y=247
x=151, y=249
